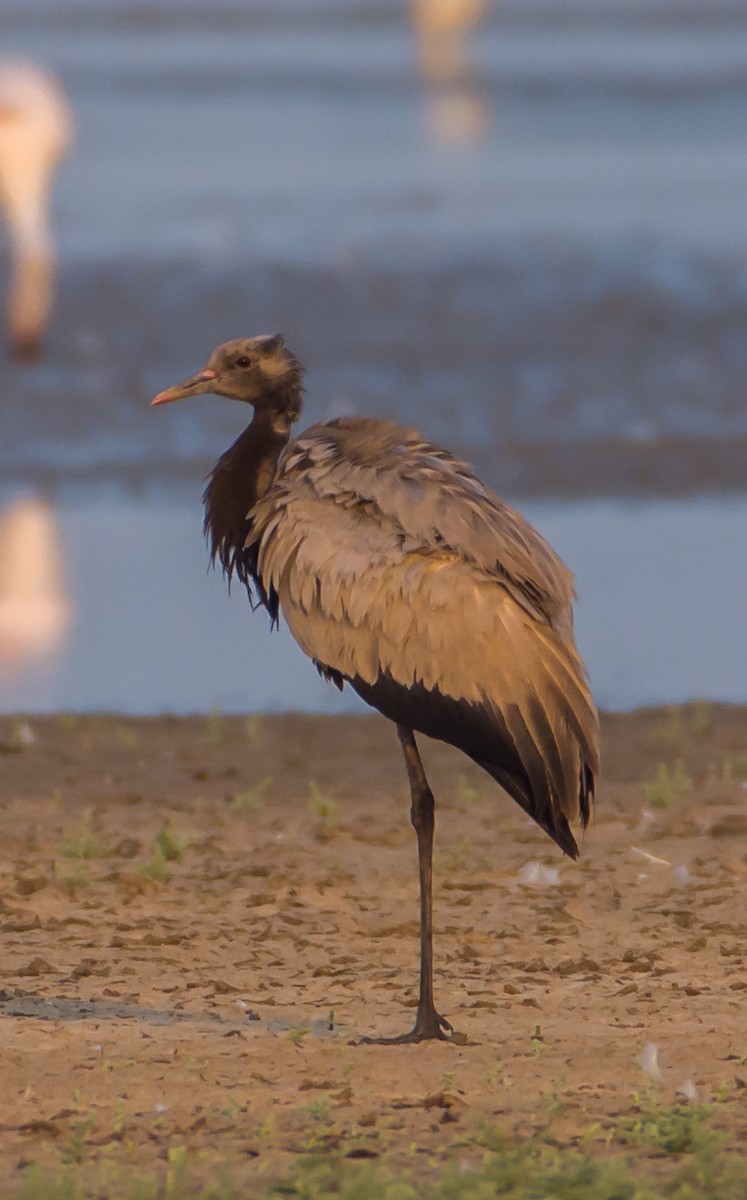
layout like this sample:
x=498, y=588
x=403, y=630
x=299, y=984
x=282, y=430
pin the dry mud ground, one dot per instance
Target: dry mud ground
x=188, y=904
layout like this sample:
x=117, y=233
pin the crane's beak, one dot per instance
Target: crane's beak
x=202, y=382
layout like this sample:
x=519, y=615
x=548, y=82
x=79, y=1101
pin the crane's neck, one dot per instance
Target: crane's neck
x=239, y=479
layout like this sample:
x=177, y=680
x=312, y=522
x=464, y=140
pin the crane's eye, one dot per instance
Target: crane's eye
x=243, y=361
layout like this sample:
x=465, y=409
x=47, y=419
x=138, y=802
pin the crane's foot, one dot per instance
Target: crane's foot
x=429, y=1026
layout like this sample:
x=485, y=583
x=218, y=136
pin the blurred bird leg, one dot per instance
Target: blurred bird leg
x=35, y=131
x=454, y=112
x=30, y=292
x=34, y=609
x=454, y=116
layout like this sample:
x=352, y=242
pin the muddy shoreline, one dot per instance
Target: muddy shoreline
x=201, y=916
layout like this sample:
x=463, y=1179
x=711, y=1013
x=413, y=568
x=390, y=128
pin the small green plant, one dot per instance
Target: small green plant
x=177, y=1170
x=297, y=1035
x=253, y=799
x=457, y=856
x=255, y=727
x=538, y=1042
x=117, y=1064
x=78, y=876
x=323, y=807
x=170, y=847
x=318, y=1110
x=467, y=794
x=668, y=730
x=682, y=721
x=498, y=1075
x=127, y=736
x=119, y=1118
x=156, y=868
x=700, y=718
x=669, y=784
x=73, y=1151
x=267, y=1129
x=735, y=767
x=538, y=1168
x=554, y=1100
x=680, y=1129
x=213, y=735
x=83, y=843
x=233, y=1109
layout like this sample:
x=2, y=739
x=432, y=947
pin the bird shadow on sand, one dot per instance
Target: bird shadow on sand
x=15, y=1003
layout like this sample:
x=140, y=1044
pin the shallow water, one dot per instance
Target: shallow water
x=563, y=374
x=144, y=627
x=306, y=130
x=530, y=234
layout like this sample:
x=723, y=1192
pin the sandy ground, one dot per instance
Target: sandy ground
x=205, y=999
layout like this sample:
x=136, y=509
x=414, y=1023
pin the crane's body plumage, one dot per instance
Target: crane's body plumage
x=399, y=572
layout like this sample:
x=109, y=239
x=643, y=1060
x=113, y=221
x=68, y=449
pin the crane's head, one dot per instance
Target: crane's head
x=260, y=371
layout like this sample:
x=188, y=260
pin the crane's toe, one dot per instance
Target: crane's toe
x=429, y=1026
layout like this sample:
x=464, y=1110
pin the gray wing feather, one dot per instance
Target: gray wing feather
x=435, y=500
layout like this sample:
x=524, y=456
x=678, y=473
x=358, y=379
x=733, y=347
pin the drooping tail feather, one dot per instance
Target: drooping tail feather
x=548, y=816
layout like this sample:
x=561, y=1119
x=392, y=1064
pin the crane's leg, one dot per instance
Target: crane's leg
x=428, y=1023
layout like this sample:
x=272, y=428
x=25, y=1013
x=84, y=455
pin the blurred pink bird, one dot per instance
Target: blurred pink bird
x=35, y=131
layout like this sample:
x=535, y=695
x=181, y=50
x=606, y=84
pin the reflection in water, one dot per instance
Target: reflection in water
x=34, y=608
x=454, y=112
x=35, y=129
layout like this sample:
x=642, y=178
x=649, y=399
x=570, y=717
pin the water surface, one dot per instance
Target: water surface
x=146, y=627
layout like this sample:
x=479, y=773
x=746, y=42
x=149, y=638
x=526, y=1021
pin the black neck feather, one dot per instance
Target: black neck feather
x=240, y=477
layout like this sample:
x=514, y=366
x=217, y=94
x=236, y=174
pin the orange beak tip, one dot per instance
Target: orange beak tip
x=182, y=390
